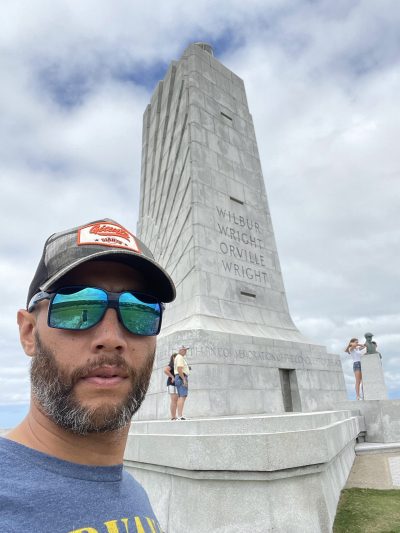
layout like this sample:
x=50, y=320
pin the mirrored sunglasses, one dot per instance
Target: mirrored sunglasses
x=78, y=308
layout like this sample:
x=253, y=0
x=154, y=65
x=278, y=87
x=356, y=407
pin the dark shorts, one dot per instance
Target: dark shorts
x=180, y=388
x=357, y=366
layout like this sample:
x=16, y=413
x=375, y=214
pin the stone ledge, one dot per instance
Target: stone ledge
x=365, y=448
x=230, y=475
x=252, y=423
x=231, y=451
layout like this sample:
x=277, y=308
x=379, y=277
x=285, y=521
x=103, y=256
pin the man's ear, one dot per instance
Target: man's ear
x=27, y=326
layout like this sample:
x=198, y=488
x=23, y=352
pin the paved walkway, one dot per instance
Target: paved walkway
x=376, y=466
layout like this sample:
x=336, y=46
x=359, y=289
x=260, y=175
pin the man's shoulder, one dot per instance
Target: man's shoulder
x=8, y=453
x=29, y=491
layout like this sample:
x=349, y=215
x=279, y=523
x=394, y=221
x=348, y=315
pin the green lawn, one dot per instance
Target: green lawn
x=368, y=511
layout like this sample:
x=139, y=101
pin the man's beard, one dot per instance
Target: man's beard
x=54, y=392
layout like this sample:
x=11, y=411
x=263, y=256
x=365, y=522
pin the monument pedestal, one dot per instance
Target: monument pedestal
x=372, y=376
x=255, y=473
x=233, y=374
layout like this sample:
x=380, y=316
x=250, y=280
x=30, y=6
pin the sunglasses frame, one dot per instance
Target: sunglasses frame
x=112, y=303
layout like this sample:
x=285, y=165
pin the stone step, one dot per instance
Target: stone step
x=364, y=448
x=244, y=444
x=280, y=423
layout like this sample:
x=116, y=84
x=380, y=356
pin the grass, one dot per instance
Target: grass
x=368, y=511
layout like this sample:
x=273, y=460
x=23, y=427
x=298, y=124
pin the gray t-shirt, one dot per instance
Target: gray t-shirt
x=40, y=493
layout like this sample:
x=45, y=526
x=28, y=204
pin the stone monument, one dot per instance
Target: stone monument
x=381, y=415
x=255, y=455
x=372, y=371
x=205, y=215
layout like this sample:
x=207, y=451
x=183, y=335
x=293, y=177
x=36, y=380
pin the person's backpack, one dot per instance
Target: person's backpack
x=169, y=380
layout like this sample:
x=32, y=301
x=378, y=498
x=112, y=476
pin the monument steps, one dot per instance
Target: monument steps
x=265, y=423
x=266, y=472
x=277, y=442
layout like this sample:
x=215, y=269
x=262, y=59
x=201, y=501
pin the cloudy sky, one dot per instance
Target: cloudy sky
x=323, y=85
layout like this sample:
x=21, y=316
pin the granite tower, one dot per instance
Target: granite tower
x=204, y=213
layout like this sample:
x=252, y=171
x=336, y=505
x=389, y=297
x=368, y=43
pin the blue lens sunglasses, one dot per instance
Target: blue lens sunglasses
x=79, y=308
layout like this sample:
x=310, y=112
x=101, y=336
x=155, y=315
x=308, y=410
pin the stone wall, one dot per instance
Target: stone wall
x=262, y=473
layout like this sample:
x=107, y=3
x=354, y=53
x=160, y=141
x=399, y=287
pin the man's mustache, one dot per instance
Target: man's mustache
x=105, y=360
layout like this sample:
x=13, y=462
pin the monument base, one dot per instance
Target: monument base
x=234, y=374
x=257, y=473
x=373, y=380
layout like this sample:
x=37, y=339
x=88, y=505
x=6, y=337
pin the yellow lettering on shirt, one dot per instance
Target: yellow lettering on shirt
x=125, y=522
x=122, y=526
x=112, y=526
x=139, y=525
x=152, y=525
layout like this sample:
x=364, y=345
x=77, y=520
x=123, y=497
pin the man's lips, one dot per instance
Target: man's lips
x=105, y=376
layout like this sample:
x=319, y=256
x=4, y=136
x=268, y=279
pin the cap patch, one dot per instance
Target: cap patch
x=107, y=234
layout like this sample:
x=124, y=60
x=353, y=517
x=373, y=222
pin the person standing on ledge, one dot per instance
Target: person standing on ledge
x=169, y=371
x=181, y=371
x=61, y=468
x=356, y=350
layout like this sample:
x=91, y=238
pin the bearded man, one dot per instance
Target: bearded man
x=94, y=309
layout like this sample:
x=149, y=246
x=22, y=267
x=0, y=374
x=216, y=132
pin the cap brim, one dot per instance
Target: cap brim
x=160, y=284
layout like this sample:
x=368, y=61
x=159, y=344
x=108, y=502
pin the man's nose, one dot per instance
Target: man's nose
x=109, y=334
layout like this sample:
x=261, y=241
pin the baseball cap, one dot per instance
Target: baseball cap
x=184, y=347
x=105, y=240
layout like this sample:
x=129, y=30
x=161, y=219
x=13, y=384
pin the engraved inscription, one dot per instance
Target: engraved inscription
x=241, y=247
x=221, y=353
x=225, y=354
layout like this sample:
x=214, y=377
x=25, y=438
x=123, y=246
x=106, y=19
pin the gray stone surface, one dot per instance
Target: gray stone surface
x=258, y=473
x=204, y=213
x=373, y=379
x=362, y=448
x=235, y=374
x=382, y=418
x=272, y=448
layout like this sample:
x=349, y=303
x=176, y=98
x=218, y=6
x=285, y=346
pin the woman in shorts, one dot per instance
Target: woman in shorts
x=173, y=393
x=356, y=350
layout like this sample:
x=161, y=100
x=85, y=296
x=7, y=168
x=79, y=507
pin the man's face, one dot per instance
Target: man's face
x=183, y=351
x=92, y=380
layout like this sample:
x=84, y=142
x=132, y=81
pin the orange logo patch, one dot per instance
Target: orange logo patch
x=107, y=234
